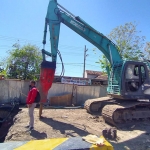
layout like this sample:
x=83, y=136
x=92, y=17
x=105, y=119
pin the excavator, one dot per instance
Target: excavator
x=128, y=81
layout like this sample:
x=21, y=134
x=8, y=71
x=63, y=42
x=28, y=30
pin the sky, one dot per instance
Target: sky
x=22, y=21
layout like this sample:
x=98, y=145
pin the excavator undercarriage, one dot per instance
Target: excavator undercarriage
x=117, y=112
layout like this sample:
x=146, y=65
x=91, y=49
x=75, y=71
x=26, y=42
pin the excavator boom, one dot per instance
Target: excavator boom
x=56, y=14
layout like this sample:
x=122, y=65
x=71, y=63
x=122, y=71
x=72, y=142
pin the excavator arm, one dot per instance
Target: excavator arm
x=56, y=14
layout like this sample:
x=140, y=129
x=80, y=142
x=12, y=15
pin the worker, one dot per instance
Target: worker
x=31, y=103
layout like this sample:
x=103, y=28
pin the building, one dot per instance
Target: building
x=91, y=78
x=96, y=77
x=76, y=80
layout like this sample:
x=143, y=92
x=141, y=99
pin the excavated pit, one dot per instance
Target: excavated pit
x=7, y=113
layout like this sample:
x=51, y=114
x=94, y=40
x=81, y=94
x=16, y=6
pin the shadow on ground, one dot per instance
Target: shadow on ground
x=36, y=134
x=141, y=142
x=63, y=127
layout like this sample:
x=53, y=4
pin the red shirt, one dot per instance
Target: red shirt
x=31, y=95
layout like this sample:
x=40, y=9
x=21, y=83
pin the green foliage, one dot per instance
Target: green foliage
x=128, y=41
x=147, y=51
x=3, y=72
x=23, y=62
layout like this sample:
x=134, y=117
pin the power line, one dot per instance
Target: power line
x=93, y=66
x=70, y=63
x=79, y=64
x=39, y=42
x=62, y=52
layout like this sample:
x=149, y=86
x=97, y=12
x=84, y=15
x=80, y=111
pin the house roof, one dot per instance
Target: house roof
x=91, y=72
x=100, y=75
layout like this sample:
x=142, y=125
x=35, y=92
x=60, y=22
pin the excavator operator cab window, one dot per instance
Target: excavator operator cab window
x=132, y=78
x=135, y=76
x=132, y=72
x=143, y=74
x=136, y=71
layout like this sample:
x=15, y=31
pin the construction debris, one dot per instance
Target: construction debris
x=126, y=148
x=110, y=133
x=132, y=126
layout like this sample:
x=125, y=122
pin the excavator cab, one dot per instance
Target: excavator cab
x=135, y=79
x=132, y=78
x=130, y=81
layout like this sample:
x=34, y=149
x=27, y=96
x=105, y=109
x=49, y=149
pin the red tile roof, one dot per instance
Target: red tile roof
x=100, y=75
x=93, y=72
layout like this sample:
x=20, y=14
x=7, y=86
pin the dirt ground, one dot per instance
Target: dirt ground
x=57, y=123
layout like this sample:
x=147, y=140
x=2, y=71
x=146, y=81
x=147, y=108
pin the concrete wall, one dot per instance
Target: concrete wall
x=15, y=88
x=81, y=93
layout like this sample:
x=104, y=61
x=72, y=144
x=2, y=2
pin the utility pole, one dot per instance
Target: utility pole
x=85, y=55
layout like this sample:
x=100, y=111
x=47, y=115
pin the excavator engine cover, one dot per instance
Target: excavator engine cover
x=46, y=78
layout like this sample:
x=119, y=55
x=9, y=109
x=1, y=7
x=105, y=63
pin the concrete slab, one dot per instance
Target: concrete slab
x=74, y=143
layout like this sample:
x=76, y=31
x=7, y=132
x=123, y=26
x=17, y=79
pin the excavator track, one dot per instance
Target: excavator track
x=116, y=112
x=126, y=112
x=95, y=105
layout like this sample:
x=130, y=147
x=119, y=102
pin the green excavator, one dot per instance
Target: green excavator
x=128, y=81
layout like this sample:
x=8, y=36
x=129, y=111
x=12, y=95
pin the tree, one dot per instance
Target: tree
x=128, y=41
x=23, y=62
x=147, y=50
